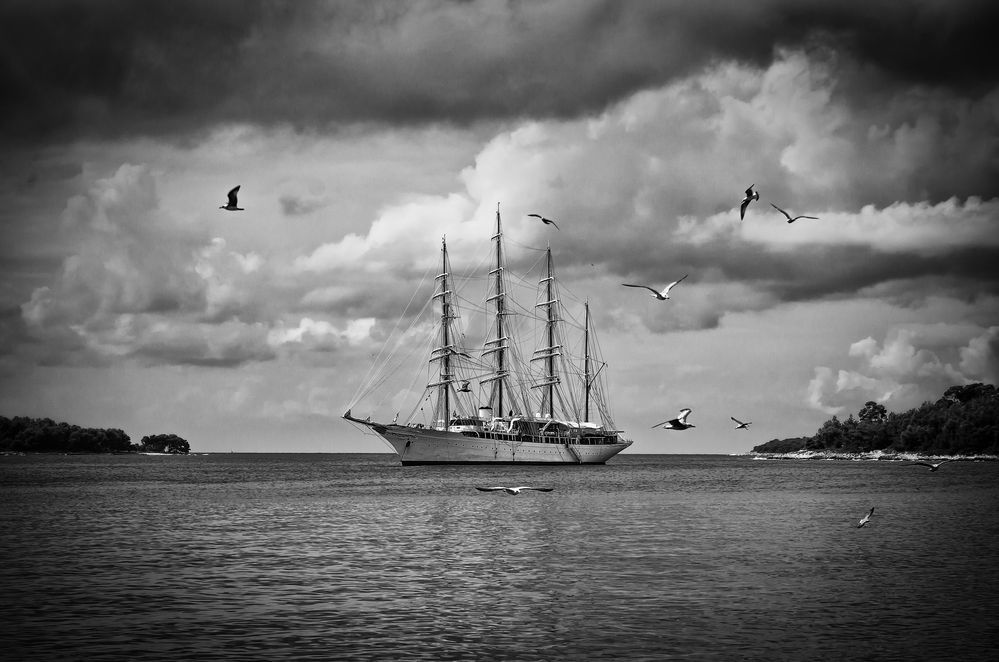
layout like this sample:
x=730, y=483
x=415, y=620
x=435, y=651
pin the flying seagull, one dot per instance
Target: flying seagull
x=933, y=467
x=231, y=206
x=546, y=221
x=678, y=423
x=662, y=296
x=866, y=519
x=741, y=426
x=789, y=219
x=750, y=196
x=514, y=490
x=464, y=387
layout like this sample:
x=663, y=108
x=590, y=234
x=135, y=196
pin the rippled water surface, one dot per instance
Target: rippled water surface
x=353, y=557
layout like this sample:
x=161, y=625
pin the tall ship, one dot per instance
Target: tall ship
x=537, y=403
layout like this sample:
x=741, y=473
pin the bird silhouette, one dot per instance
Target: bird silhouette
x=750, y=196
x=866, y=519
x=464, y=387
x=789, y=219
x=546, y=221
x=661, y=295
x=232, y=204
x=678, y=423
x=932, y=466
x=514, y=490
x=741, y=425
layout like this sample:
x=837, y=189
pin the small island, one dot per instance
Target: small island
x=963, y=422
x=43, y=435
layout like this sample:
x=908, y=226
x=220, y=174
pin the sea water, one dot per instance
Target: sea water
x=354, y=557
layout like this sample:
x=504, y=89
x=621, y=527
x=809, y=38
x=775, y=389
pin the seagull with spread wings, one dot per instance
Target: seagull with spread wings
x=661, y=295
x=741, y=425
x=514, y=490
x=232, y=205
x=546, y=221
x=678, y=423
x=750, y=196
x=866, y=519
x=788, y=216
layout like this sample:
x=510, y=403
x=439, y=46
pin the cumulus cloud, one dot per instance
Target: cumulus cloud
x=121, y=265
x=913, y=364
x=815, y=395
x=406, y=234
x=903, y=227
x=981, y=356
x=658, y=179
x=321, y=334
x=231, y=282
x=142, y=283
x=228, y=344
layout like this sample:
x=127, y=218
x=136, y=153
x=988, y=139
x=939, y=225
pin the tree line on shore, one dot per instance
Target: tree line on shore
x=43, y=435
x=965, y=421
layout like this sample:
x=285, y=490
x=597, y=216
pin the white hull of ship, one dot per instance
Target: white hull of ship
x=427, y=446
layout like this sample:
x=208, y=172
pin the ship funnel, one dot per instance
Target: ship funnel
x=486, y=413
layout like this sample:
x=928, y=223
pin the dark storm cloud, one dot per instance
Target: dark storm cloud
x=818, y=272
x=840, y=272
x=220, y=346
x=122, y=67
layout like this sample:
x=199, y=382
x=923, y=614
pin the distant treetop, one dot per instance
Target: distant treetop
x=43, y=435
x=964, y=421
x=164, y=443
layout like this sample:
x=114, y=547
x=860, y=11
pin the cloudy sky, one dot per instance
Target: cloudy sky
x=361, y=132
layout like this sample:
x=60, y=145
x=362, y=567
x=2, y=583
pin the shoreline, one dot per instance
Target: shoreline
x=871, y=456
x=88, y=453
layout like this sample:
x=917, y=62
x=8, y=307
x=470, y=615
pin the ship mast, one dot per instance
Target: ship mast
x=498, y=345
x=445, y=351
x=586, y=363
x=549, y=353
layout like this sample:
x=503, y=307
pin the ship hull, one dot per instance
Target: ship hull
x=421, y=446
